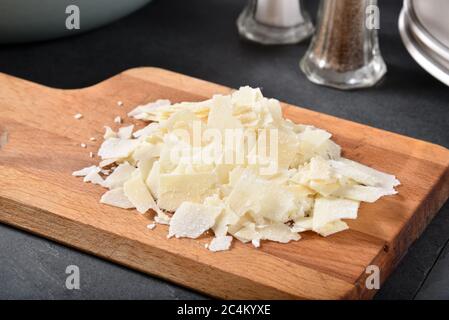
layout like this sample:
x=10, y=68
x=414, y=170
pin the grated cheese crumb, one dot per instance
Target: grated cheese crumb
x=256, y=243
x=78, y=116
x=118, y=120
x=151, y=226
x=220, y=243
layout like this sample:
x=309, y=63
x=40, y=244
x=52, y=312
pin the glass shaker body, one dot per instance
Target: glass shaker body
x=275, y=22
x=344, y=52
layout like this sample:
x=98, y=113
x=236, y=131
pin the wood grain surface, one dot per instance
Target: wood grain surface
x=38, y=194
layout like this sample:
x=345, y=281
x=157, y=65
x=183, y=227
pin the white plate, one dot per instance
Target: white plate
x=433, y=63
x=433, y=15
x=32, y=20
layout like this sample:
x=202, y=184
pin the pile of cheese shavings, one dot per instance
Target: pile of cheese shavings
x=314, y=188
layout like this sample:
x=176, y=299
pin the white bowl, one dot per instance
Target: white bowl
x=32, y=20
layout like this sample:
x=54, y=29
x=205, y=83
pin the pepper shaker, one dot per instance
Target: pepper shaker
x=275, y=22
x=344, y=52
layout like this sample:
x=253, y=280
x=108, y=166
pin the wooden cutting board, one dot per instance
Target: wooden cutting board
x=38, y=194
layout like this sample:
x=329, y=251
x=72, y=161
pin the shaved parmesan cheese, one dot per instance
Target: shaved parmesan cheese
x=162, y=218
x=228, y=217
x=192, y=219
x=302, y=224
x=363, y=193
x=153, y=179
x=332, y=227
x=116, y=198
x=126, y=132
x=330, y=209
x=94, y=177
x=247, y=233
x=117, y=148
x=174, y=189
x=109, y=133
x=149, y=129
x=278, y=232
x=85, y=171
x=150, y=107
x=181, y=162
x=137, y=193
x=120, y=175
x=220, y=243
x=256, y=243
x=78, y=116
x=258, y=195
x=363, y=174
x=220, y=115
x=107, y=162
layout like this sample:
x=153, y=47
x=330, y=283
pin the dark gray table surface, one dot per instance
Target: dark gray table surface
x=199, y=38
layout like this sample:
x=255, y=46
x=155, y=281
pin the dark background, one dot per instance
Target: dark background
x=199, y=38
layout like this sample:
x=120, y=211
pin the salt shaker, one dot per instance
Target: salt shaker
x=275, y=22
x=344, y=52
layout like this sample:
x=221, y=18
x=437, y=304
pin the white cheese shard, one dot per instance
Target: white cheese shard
x=162, y=218
x=278, y=232
x=364, y=175
x=174, y=189
x=119, y=176
x=192, y=219
x=118, y=120
x=147, y=151
x=220, y=243
x=226, y=218
x=247, y=233
x=148, y=130
x=126, y=132
x=94, y=177
x=330, y=209
x=116, y=198
x=255, y=243
x=363, y=193
x=220, y=115
x=152, y=180
x=302, y=224
x=312, y=140
x=109, y=133
x=78, y=116
x=107, y=162
x=117, y=148
x=252, y=193
x=332, y=227
x=85, y=171
x=148, y=108
x=137, y=193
